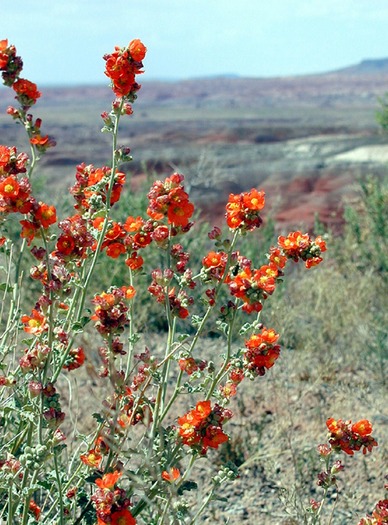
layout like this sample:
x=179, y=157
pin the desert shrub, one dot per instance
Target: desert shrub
x=129, y=456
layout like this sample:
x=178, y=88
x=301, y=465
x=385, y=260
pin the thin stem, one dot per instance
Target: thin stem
x=107, y=211
x=222, y=370
x=59, y=483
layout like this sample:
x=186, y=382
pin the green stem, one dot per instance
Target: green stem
x=131, y=344
x=223, y=369
x=60, y=495
x=10, y=506
x=107, y=211
x=26, y=507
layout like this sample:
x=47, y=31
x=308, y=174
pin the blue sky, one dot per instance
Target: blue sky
x=62, y=42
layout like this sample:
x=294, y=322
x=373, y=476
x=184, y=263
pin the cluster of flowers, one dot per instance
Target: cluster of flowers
x=300, y=246
x=110, y=314
x=350, y=437
x=91, y=188
x=262, y=351
x=15, y=194
x=11, y=65
x=121, y=67
x=111, y=502
x=254, y=285
x=15, y=188
x=201, y=427
x=379, y=515
x=27, y=94
x=243, y=211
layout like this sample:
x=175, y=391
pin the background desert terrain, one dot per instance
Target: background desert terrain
x=304, y=140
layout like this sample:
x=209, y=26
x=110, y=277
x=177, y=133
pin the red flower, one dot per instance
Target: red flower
x=9, y=187
x=34, y=324
x=137, y=50
x=134, y=262
x=27, y=91
x=35, y=509
x=122, y=517
x=92, y=458
x=242, y=211
x=115, y=249
x=109, y=480
x=65, y=244
x=172, y=475
x=76, y=359
x=3, y=55
x=351, y=438
x=362, y=427
x=45, y=215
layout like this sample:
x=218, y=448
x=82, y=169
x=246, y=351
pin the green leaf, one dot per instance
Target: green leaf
x=4, y=287
x=187, y=485
x=98, y=417
x=80, y=325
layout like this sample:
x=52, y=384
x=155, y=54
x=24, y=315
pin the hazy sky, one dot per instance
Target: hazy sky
x=64, y=41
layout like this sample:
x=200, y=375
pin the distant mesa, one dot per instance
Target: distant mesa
x=368, y=66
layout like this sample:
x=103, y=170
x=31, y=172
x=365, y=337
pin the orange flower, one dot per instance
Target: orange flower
x=202, y=409
x=314, y=261
x=321, y=243
x=108, y=481
x=34, y=324
x=35, y=509
x=27, y=89
x=5, y=156
x=214, y=437
x=294, y=242
x=213, y=259
x=29, y=230
x=75, y=359
x=172, y=475
x=137, y=50
x=46, y=215
x=362, y=427
x=129, y=291
x=179, y=213
x=188, y=365
x=254, y=200
x=115, y=249
x=134, y=262
x=242, y=211
x=335, y=427
x=3, y=56
x=65, y=244
x=122, y=517
x=38, y=140
x=92, y=458
x=9, y=187
x=277, y=258
x=133, y=224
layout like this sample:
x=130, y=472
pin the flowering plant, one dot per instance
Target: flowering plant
x=136, y=465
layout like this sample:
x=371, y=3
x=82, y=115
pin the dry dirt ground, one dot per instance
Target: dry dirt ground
x=279, y=419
